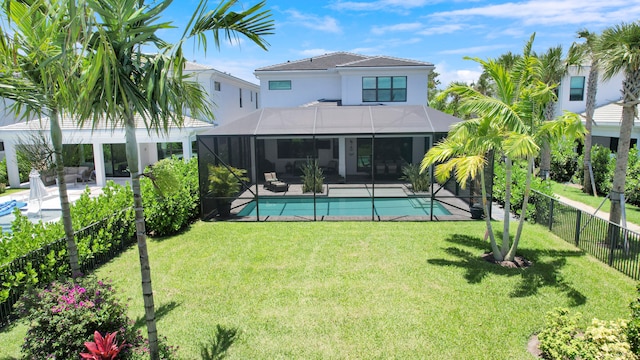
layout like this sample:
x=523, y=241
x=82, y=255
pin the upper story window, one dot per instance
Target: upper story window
x=216, y=85
x=240, y=97
x=279, y=84
x=576, y=93
x=384, y=89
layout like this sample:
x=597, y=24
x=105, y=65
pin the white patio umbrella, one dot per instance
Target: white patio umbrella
x=37, y=190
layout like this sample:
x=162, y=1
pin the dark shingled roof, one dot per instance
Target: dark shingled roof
x=342, y=60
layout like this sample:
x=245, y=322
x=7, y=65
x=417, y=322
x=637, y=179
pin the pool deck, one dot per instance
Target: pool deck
x=457, y=207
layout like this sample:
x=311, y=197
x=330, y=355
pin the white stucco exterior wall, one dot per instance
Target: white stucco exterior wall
x=305, y=88
x=608, y=91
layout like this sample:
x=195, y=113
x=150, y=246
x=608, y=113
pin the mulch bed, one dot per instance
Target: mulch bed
x=518, y=262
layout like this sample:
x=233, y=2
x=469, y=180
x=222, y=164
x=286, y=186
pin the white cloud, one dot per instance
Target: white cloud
x=473, y=50
x=447, y=76
x=553, y=12
x=390, y=5
x=380, y=30
x=314, y=22
x=444, y=29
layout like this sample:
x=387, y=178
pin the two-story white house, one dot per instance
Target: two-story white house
x=103, y=149
x=608, y=112
x=360, y=117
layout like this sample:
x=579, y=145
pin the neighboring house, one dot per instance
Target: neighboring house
x=608, y=113
x=231, y=97
x=104, y=149
x=360, y=116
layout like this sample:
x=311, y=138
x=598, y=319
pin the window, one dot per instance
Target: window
x=256, y=100
x=384, y=89
x=240, y=97
x=280, y=85
x=1, y=146
x=216, y=85
x=295, y=148
x=576, y=93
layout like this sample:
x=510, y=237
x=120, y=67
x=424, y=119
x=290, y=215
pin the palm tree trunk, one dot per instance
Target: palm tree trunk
x=545, y=151
x=507, y=210
x=56, y=139
x=145, y=268
x=485, y=206
x=592, y=89
x=631, y=93
x=525, y=201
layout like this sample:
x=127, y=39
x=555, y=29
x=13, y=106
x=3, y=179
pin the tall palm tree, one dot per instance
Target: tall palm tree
x=510, y=124
x=619, y=51
x=553, y=69
x=579, y=53
x=125, y=85
x=39, y=72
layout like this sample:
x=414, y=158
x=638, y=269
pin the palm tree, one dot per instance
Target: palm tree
x=464, y=152
x=619, y=51
x=39, y=70
x=579, y=53
x=509, y=124
x=553, y=69
x=131, y=85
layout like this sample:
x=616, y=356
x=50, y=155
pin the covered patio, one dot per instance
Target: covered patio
x=362, y=151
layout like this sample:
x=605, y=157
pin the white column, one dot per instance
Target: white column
x=342, y=157
x=187, y=150
x=254, y=165
x=98, y=159
x=12, y=163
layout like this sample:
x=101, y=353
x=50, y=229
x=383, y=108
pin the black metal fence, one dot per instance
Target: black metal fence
x=97, y=244
x=610, y=243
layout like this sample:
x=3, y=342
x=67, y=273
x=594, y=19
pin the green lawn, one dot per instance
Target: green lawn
x=11, y=191
x=341, y=290
x=576, y=194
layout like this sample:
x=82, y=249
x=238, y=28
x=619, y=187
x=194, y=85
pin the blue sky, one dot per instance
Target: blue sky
x=441, y=32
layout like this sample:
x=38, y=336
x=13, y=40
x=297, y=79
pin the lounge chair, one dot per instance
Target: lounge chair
x=272, y=183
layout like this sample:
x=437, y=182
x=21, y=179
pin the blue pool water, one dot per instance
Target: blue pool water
x=333, y=206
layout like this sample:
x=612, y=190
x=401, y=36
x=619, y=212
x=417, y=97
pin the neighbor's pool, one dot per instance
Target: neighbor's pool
x=335, y=206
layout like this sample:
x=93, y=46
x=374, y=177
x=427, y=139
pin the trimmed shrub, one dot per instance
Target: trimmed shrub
x=46, y=246
x=558, y=338
x=173, y=202
x=562, y=339
x=632, y=184
x=4, y=178
x=633, y=328
x=563, y=161
x=606, y=340
x=603, y=164
x=518, y=182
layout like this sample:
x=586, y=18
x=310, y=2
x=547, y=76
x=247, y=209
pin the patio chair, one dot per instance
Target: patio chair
x=269, y=177
x=273, y=183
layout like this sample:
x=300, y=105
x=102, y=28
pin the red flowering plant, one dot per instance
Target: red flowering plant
x=102, y=348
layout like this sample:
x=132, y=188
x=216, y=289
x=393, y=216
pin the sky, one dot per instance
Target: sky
x=441, y=32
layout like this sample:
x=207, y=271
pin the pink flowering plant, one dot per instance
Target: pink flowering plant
x=66, y=314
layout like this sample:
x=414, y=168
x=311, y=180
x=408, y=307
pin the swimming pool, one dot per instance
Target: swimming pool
x=338, y=206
